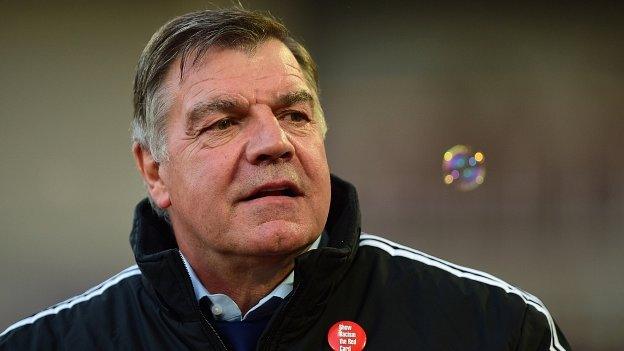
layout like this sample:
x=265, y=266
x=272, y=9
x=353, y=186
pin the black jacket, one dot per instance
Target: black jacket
x=403, y=299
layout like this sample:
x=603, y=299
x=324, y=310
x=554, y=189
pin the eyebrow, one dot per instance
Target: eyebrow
x=295, y=97
x=228, y=105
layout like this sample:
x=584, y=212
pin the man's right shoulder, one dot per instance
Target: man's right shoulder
x=95, y=309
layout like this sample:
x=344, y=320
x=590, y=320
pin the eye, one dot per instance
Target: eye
x=222, y=124
x=296, y=117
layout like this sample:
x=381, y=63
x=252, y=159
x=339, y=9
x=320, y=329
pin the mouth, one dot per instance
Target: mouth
x=286, y=189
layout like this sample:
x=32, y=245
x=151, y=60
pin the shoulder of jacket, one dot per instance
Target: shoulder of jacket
x=457, y=275
x=445, y=270
x=49, y=316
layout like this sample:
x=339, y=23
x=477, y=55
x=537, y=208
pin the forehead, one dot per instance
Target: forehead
x=268, y=71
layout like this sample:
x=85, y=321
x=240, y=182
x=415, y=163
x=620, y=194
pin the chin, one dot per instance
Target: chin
x=280, y=237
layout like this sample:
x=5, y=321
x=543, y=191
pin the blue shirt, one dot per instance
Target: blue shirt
x=225, y=309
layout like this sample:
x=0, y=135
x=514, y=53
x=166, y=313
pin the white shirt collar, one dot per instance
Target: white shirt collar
x=224, y=308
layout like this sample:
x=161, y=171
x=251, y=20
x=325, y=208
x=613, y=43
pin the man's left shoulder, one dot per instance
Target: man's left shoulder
x=438, y=290
x=451, y=278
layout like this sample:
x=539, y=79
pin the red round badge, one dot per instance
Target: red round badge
x=346, y=336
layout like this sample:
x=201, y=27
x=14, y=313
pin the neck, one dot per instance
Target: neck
x=246, y=280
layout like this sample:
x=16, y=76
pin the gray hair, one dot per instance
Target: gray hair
x=187, y=38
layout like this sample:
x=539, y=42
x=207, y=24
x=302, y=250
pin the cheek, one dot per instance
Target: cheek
x=196, y=178
x=209, y=177
x=311, y=153
x=314, y=162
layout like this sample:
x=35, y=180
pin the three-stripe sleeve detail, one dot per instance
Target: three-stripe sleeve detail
x=69, y=303
x=395, y=249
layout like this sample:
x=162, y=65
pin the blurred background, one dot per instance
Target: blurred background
x=536, y=88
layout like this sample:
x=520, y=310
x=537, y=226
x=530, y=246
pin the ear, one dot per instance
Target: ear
x=150, y=172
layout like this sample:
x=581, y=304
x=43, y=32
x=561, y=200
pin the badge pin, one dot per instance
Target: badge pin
x=346, y=336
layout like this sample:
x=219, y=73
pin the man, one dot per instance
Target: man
x=247, y=242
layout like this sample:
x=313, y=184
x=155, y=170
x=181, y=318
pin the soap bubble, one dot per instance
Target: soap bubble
x=462, y=168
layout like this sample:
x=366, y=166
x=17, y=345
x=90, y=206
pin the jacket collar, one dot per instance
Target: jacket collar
x=157, y=255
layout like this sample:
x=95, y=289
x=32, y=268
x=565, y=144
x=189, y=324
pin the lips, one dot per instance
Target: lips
x=282, y=188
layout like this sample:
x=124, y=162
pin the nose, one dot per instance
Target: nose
x=268, y=142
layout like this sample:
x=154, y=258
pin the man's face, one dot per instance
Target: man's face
x=247, y=173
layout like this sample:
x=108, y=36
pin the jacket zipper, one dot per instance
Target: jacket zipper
x=205, y=320
x=270, y=332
